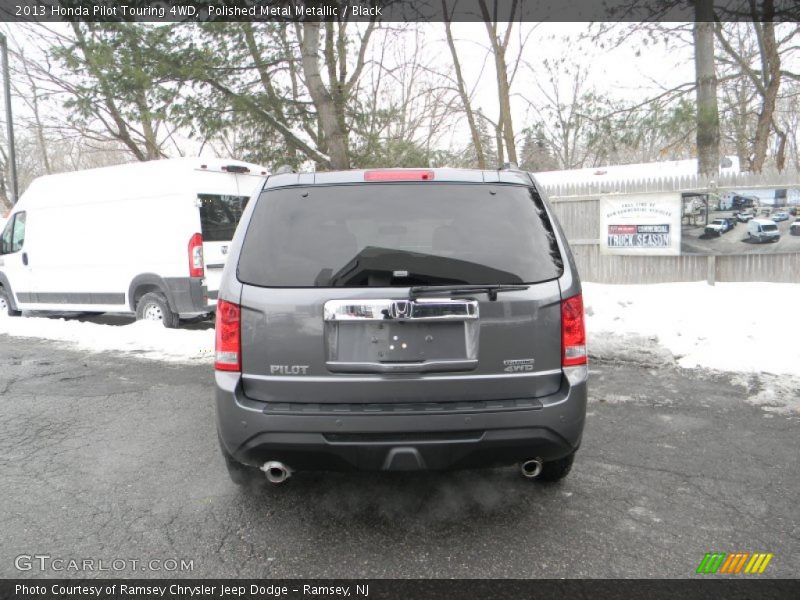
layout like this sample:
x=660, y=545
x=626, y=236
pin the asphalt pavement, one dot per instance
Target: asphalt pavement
x=106, y=458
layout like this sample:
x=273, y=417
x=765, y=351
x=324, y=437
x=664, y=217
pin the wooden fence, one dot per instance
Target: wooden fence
x=577, y=207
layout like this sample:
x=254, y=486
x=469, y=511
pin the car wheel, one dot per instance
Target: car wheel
x=555, y=470
x=5, y=305
x=154, y=307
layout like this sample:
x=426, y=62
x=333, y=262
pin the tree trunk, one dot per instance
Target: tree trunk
x=505, y=104
x=336, y=141
x=772, y=82
x=503, y=89
x=462, y=92
x=706, y=78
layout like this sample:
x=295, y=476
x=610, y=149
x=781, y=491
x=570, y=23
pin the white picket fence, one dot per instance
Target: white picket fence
x=676, y=184
x=577, y=205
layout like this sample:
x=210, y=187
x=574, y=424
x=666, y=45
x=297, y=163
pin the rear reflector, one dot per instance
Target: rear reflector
x=196, y=264
x=228, y=355
x=399, y=175
x=573, y=332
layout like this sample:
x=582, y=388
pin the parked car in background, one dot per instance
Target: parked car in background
x=147, y=238
x=780, y=216
x=719, y=226
x=743, y=217
x=396, y=320
x=794, y=228
x=763, y=230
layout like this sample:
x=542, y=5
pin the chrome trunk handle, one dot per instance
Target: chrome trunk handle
x=421, y=309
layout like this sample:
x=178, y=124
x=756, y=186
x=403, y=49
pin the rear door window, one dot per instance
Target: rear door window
x=13, y=237
x=219, y=216
x=399, y=235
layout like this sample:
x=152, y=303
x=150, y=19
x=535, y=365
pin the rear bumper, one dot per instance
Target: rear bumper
x=348, y=437
x=188, y=295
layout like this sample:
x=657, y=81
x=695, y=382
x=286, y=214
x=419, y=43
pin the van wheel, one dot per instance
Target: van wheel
x=556, y=470
x=5, y=305
x=154, y=307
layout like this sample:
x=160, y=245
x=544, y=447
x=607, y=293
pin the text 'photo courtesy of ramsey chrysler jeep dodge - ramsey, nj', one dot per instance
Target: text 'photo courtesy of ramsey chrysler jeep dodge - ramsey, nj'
x=399, y=320
x=147, y=238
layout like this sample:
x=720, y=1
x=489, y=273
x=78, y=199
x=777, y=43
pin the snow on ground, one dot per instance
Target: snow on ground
x=742, y=327
x=751, y=329
x=146, y=339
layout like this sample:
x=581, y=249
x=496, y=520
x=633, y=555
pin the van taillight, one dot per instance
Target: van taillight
x=227, y=351
x=573, y=332
x=196, y=266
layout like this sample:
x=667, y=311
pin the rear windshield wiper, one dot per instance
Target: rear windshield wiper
x=491, y=289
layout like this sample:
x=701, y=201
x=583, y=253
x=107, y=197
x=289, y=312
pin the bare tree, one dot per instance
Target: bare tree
x=331, y=100
x=499, y=41
x=706, y=80
x=461, y=86
x=754, y=55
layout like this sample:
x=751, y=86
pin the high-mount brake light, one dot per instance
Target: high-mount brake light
x=227, y=349
x=235, y=169
x=573, y=332
x=399, y=175
x=196, y=264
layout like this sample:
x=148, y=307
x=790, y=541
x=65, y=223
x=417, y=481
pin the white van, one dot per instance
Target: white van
x=125, y=239
x=763, y=230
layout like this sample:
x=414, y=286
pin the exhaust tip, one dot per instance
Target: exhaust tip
x=531, y=468
x=276, y=472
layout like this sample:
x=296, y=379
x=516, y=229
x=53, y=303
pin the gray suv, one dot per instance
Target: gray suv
x=396, y=320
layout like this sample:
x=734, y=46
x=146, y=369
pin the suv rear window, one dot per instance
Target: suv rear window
x=394, y=234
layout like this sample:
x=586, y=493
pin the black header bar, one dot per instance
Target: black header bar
x=200, y=11
x=705, y=587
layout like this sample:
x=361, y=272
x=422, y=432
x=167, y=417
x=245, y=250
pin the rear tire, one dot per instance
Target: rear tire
x=556, y=470
x=5, y=305
x=154, y=307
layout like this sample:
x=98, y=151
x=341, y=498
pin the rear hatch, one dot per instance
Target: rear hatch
x=371, y=293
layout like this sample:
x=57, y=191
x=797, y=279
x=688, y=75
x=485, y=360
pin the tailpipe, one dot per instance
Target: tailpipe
x=276, y=472
x=531, y=468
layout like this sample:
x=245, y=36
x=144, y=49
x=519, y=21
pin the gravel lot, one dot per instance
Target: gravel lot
x=109, y=457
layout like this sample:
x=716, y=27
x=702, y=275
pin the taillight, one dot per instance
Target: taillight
x=227, y=351
x=196, y=266
x=399, y=175
x=573, y=332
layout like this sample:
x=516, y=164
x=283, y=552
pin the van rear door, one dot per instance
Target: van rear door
x=219, y=216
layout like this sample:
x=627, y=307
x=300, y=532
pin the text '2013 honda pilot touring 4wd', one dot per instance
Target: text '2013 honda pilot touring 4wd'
x=399, y=320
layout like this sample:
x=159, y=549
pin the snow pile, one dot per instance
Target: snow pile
x=742, y=327
x=147, y=339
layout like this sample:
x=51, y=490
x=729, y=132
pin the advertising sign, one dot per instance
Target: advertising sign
x=741, y=221
x=642, y=224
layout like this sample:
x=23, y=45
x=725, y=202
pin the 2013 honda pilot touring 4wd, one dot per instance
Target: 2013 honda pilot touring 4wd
x=399, y=320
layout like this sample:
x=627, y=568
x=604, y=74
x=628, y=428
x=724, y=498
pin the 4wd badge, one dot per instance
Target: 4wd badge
x=518, y=365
